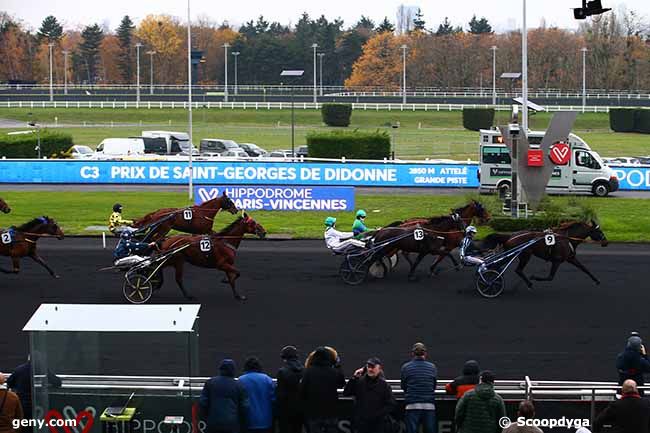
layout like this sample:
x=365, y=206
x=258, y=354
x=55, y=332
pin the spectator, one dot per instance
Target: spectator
x=630, y=414
x=288, y=392
x=373, y=398
x=261, y=395
x=466, y=382
x=10, y=409
x=480, y=409
x=633, y=361
x=526, y=411
x=319, y=391
x=418, y=380
x=20, y=381
x=224, y=401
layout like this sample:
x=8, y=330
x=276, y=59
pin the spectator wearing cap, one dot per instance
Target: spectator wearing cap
x=465, y=382
x=526, y=411
x=480, y=409
x=633, y=362
x=288, y=392
x=10, y=408
x=260, y=389
x=224, y=402
x=373, y=397
x=319, y=391
x=630, y=414
x=418, y=381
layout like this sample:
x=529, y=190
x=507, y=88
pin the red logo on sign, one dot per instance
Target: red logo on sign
x=84, y=415
x=560, y=153
x=535, y=158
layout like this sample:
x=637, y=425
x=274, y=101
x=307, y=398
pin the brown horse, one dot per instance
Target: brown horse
x=568, y=237
x=467, y=213
x=4, y=207
x=196, y=219
x=21, y=241
x=216, y=251
x=439, y=235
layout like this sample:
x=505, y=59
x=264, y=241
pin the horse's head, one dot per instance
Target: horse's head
x=52, y=228
x=4, y=207
x=473, y=209
x=253, y=227
x=481, y=212
x=597, y=234
x=227, y=204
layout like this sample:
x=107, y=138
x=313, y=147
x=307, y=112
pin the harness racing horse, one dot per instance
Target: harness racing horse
x=568, y=237
x=440, y=233
x=196, y=219
x=216, y=251
x=4, y=207
x=18, y=242
x=467, y=213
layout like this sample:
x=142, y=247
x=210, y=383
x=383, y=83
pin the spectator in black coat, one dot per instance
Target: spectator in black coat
x=224, y=403
x=630, y=414
x=318, y=392
x=466, y=382
x=633, y=362
x=373, y=398
x=288, y=392
x=21, y=382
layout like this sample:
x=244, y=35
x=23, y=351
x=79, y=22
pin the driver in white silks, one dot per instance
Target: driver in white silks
x=339, y=241
x=469, y=252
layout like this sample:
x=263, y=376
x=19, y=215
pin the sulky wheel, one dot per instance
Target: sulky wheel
x=353, y=270
x=137, y=289
x=489, y=283
x=378, y=269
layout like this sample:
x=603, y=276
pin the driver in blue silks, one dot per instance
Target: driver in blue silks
x=127, y=246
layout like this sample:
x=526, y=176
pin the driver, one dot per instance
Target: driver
x=359, y=226
x=339, y=241
x=128, y=247
x=116, y=224
x=468, y=249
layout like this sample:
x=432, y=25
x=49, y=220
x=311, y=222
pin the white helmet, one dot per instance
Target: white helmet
x=470, y=229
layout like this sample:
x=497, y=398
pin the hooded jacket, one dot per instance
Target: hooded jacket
x=373, y=398
x=288, y=389
x=466, y=382
x=319, y=385
x=479, y=410
x=224, y=400
x=631, y=364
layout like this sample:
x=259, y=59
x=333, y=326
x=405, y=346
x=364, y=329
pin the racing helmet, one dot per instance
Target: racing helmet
x=117, y=207
x=470, y=229
x=329, y=221
x=361, y=213
x=126, y=235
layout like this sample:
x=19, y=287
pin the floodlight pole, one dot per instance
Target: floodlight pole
x=151, y=53
x=236, y=54
x=189, y=99
x=584, y=79
x=404, y=48
x=50, y=45
x=314, y=46
x=494, y=74
x=225, y=70
x=65, y=72
x=137, y=85
x=524, y=72
x=320, y=56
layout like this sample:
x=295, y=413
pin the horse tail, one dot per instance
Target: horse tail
x=394, y=224
x=495, y=239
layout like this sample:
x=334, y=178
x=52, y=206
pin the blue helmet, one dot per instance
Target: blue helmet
x=126, y=235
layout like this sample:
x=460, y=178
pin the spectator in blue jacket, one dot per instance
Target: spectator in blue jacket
x=633, y=362
x=21, y=382
x=261, y=395
x=224, y=402
x=418, y=380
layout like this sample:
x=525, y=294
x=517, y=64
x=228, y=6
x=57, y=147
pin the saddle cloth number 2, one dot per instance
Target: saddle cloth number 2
x=187, y=214
x=6, y=238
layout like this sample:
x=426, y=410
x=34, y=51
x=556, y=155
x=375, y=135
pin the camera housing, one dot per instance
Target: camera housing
x=588, y=9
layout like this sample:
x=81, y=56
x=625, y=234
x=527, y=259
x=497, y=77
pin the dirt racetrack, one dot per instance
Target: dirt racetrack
x=569, y=329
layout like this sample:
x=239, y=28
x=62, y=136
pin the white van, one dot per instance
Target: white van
x=119, y=147
x=585, y=173
x=177, y=142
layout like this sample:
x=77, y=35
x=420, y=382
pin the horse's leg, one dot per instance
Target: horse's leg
x=574, y=261
x=524, y=258
x=414, y=265
x=232, y=274
x=407, y=257
x=178, y=269
x=555, y=265
x=439, y=258
x=15, y=261
x=38, y=259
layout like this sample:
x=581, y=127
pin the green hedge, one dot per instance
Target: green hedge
x=478, y=118
x=630, y=120
x=336, y=114
x=349, y=144
x=23, y=145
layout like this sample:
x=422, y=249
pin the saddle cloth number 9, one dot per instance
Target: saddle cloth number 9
x=549, y=240
x=418, y=234
x=187, y=214
x=6, y=238
x=205, y=245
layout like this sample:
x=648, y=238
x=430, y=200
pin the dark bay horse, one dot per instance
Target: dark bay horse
x=216, y=251
x=568, y=237
x=467, y=213
x=196, y=219
x=4, y=207
x=22, y=242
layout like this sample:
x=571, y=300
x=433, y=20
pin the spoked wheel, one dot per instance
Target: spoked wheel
x=378, y=269
x=353, y=270
x=489, y=283
x=136, y=288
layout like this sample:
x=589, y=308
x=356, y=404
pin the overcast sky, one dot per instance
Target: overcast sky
x=503, y=14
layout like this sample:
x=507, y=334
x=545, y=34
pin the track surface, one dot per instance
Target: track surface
x=567, y=329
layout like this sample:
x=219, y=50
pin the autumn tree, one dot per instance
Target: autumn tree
x=380, y=64
x=165, y=36
x=124, y=57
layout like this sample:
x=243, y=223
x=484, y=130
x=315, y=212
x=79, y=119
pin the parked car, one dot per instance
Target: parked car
x=119, y=147
x=644, y=160
x=217, y=145
x=622, y=160
x=253, y=149
x=239, y=153
x=302, y=151
x=78, y=152
x=285, y=154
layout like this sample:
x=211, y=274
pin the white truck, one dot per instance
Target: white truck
x=111, y=148
x=177, y=142
x=584, y=173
